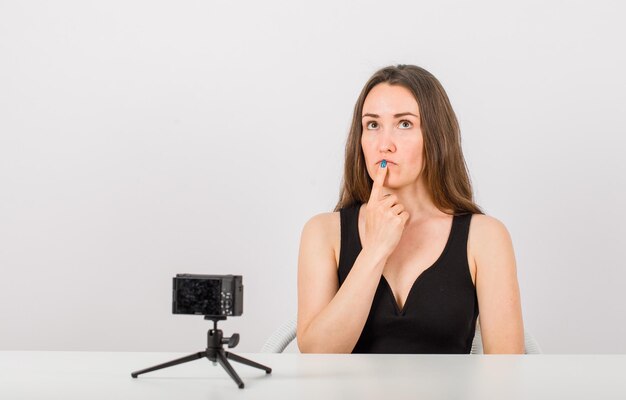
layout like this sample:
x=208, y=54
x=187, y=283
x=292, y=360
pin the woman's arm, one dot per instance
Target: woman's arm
x=501, y=324
x=331, y=318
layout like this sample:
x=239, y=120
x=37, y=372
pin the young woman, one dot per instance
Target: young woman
x=407, y=259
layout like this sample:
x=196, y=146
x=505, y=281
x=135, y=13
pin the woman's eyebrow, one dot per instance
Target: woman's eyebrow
x=404, y=114
x=395, y=116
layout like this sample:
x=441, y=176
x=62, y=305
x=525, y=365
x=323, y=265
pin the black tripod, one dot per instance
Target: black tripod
x=215, y=353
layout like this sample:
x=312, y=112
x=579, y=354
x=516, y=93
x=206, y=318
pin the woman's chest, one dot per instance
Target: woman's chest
x=418, y=251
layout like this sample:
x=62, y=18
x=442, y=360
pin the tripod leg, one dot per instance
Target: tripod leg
x=181, y=360
x=247, y=362
x=221, y=358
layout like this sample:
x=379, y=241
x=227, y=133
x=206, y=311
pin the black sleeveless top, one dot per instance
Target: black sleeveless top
x=439, y=314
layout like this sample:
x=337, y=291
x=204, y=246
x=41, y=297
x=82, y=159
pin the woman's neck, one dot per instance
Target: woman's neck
x=417, y=201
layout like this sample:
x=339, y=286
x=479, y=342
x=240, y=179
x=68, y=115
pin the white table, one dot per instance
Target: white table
x=101, y=375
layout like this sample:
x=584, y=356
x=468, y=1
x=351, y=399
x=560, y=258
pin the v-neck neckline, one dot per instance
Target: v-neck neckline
x=419, y=277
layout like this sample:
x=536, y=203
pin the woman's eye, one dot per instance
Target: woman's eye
x=405, y=124
x=372, y=125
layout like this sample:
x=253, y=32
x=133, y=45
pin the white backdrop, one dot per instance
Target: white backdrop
x=140, y=139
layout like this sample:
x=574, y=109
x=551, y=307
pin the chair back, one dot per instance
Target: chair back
x=280, y=339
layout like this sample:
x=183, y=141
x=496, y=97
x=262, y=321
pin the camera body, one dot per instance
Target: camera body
x=209, y=295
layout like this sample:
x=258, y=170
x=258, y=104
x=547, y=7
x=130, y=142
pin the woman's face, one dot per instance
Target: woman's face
x=391, y=131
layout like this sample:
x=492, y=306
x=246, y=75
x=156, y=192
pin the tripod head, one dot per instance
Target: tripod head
x=215, y=337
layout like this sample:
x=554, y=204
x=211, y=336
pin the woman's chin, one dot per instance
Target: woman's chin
x=395, y=184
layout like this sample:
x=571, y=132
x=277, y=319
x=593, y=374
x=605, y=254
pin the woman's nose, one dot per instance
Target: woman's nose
x=385, y=142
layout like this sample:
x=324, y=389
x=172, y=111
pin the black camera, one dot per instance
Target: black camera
x=209, y=295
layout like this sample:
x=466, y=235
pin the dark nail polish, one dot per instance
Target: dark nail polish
x=383, y=164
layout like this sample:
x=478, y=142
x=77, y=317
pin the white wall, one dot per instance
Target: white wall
x=140, y=139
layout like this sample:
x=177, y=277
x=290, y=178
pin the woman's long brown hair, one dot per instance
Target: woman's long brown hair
x=445, y=170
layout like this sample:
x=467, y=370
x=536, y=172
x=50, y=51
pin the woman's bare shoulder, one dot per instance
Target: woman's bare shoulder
x=324, y=228
x=324, y=220
x=485, y=227
x=486, y=233
x=325, y=224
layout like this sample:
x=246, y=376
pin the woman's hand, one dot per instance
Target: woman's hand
x=385, y=218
